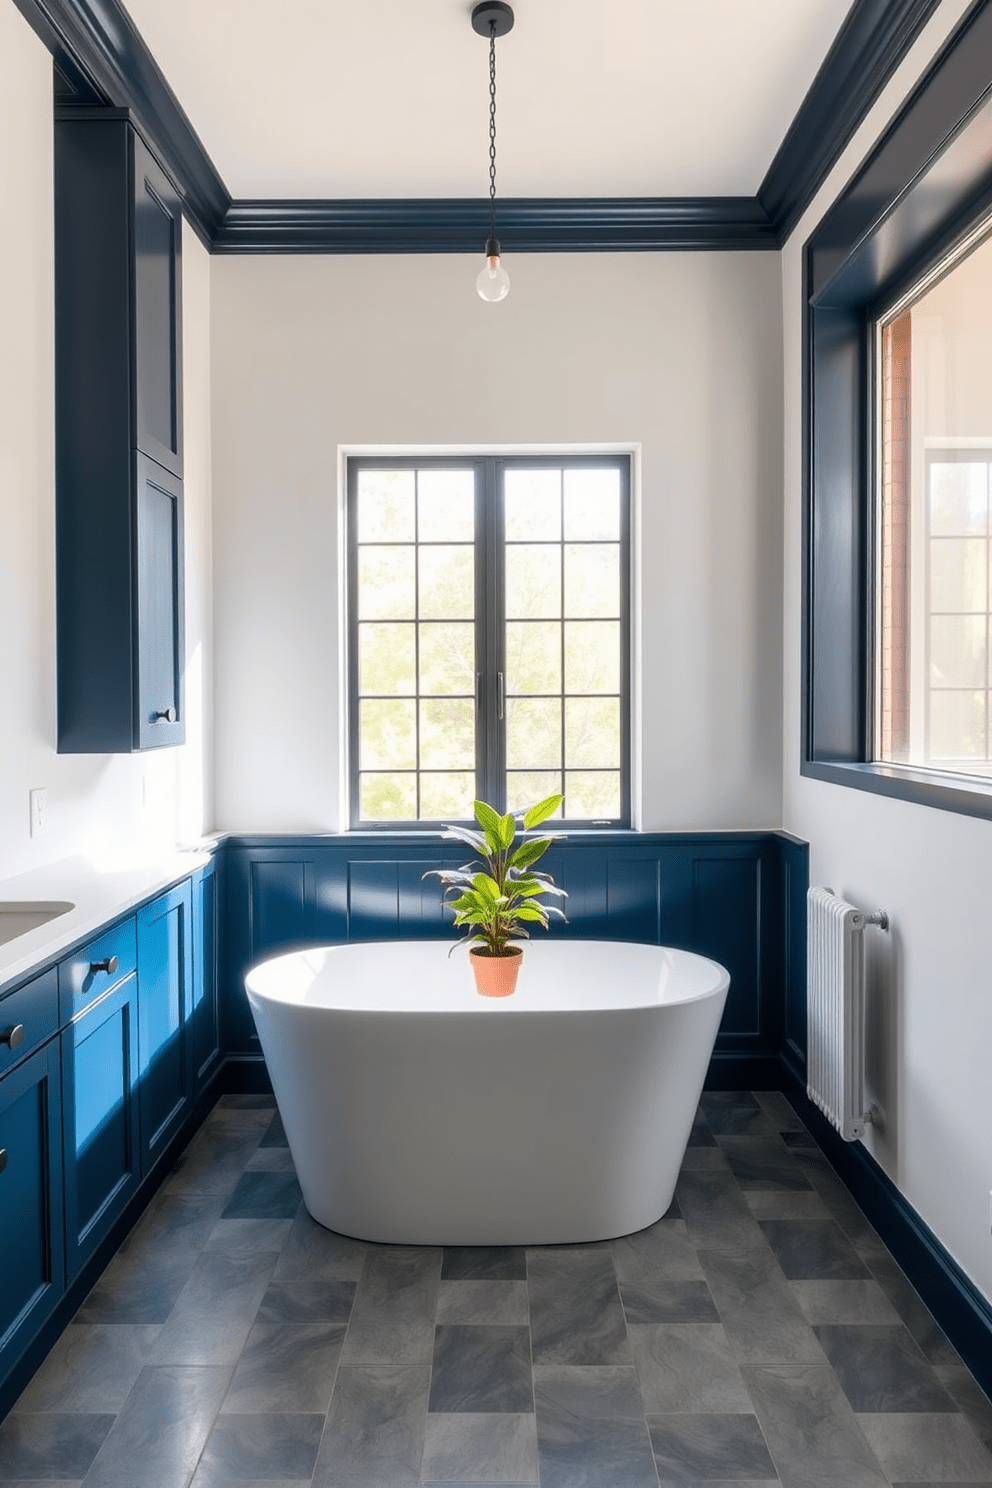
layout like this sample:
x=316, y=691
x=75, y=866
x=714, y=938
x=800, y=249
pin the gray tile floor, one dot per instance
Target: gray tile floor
x=760, y=1333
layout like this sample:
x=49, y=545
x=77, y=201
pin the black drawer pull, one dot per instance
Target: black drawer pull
x=109, y=966
x=13, y=1037
x=3, y=1158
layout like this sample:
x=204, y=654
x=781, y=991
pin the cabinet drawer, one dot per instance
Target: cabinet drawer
x=28, y=1017
x=95, y=968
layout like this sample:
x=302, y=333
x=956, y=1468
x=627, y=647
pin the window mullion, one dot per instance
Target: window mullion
x=492, y=774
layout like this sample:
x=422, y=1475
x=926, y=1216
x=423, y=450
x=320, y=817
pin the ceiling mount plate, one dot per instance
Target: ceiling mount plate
x=492, y=15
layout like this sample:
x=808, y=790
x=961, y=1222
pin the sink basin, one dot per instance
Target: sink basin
x=18, y=918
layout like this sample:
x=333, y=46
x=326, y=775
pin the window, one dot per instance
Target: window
x=488, y=637
x=881, y=690
x=933, y=654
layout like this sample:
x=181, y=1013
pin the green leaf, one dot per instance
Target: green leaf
x=541, y=810
x=489, y=821
x=529, y=912
x=507, y=831
x=529, y=852
x=487, y=887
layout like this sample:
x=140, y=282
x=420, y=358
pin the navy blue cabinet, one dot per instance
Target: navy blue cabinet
x=165, y=1051
x=32, y=1276
x=118, y=414
x=100, y=1117
x=204, y=1016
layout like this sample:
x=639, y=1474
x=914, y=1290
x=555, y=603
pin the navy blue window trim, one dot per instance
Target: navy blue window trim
x=924, y=188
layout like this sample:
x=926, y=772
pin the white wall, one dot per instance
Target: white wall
x=676, y=353
x=95, y=802
x=932, y=870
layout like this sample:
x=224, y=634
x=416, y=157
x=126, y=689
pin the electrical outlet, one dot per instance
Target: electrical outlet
x=39, y=812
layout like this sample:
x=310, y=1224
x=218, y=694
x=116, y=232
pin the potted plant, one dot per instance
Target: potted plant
x=499, y=893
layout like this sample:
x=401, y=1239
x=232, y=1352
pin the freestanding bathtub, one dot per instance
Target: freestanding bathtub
x=418, y=1112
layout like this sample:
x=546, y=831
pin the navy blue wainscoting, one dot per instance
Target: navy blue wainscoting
x=739, y=897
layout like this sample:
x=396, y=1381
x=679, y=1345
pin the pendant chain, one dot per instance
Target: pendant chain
x=492, y=129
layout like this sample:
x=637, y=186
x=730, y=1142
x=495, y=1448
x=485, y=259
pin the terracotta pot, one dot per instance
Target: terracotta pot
x=496, y=976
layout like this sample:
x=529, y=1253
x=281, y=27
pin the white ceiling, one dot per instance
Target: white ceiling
x=381, y=98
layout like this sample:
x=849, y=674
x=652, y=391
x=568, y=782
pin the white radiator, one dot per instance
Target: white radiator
x=835, y=997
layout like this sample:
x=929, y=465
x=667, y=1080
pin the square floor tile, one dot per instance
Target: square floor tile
x=687, y=1367
x=260, y=1446
x=942, y=1448
x=481, y=1369
x=591, y=1431
x=881, y=1368
x=706, y=1447
x=286, y=1367
x=814, y=1250
x=478, y=1448
x=264, y=1195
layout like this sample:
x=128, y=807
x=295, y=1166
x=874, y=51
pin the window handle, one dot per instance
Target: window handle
x=500, y=695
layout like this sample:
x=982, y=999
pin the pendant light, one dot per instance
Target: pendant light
x=492, y=18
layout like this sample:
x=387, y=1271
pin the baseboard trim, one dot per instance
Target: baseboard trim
x=733, y=1071
x=244, y=1074
x=961, y=1310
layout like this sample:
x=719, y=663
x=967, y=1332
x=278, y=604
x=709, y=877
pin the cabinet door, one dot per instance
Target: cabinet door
x=32, y=1276
x=159, y=694
x=205, y=1013
x=165, y=1063
x=157, y=313
x=100, y=1094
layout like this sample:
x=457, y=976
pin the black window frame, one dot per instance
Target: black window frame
x=922, y=191
x=490, y=622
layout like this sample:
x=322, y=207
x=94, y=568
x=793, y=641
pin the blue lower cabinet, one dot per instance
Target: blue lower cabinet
x=165, y=1047
x=100, y=1096
x=32, y=1274
x=204, y=1017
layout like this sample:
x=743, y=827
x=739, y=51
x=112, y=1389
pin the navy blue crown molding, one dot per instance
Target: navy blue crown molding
x=102, y=60
x=869, y=46
x=525, y=225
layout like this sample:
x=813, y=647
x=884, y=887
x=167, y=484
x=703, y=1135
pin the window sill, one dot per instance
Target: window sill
x=969, y=797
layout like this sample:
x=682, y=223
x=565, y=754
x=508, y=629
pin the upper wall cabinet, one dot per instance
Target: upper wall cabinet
x=119, y=552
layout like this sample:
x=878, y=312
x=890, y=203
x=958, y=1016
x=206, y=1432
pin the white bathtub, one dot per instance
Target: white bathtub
x=418, y=1112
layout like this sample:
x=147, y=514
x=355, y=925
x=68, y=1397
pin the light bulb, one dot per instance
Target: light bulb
x=493, y=282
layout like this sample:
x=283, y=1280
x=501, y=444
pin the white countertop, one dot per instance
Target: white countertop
x=99, y=889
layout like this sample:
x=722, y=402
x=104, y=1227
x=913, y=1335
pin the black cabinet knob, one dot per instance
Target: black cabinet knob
x=3, y=1158
x=13, y=1037
x=109, y=966
x=169, y=714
